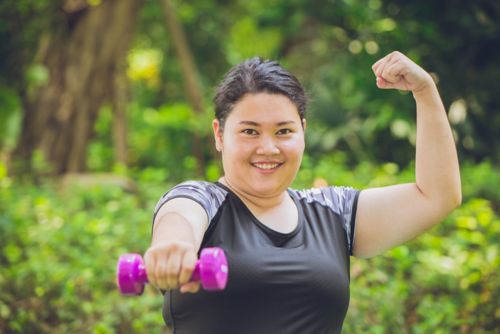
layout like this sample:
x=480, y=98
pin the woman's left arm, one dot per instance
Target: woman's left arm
x=388, y=216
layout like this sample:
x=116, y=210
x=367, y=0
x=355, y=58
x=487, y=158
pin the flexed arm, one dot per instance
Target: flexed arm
x=389, y=216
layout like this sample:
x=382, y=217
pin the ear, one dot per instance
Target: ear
x=217, y=134
x=304, y=124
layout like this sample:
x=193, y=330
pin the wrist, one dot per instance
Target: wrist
x=429, y=89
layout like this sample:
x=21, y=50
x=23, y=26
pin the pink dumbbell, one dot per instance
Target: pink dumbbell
x=210, y=269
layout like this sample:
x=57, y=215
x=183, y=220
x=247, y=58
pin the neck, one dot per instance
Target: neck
x=256, y=202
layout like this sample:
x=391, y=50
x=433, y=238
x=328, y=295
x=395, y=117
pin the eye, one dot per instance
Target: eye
x=250, y=132
x=284, y=131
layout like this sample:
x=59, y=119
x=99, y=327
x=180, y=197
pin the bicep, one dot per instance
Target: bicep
x=387, y=217
x=191, y=211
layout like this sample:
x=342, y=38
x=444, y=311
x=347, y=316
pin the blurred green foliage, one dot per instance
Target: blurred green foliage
x=59, y=247
x=60, y=243
x=444, y=282
x=329, y=45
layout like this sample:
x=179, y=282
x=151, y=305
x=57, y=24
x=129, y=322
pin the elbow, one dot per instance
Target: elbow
x=445, y=201
x=366, y=253
x=453, y=199
x=449, y=194
x=456, y=197
x=457, y=193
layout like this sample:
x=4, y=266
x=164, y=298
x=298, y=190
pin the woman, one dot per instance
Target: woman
x=288, y=250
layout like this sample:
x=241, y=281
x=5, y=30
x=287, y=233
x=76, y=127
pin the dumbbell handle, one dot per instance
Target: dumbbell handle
x=142, y=276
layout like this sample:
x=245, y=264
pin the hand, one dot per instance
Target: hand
x=170, y=265
x=396, y=71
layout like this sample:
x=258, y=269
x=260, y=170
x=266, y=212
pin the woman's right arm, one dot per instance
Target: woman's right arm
x=178, y=230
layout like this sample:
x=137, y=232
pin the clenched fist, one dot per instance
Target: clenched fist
x=170, y=265
x=396, y=71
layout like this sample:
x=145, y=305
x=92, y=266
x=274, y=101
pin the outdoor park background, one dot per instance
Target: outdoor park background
x=106, y=104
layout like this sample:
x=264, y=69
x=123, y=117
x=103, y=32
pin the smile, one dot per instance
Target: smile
x=266, y=165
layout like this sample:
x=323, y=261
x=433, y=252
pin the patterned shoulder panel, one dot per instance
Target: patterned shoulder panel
x=207, y=194
x=341, y=200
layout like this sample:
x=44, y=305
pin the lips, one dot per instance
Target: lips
x=266, y=165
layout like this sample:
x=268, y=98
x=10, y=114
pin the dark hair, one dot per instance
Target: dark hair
x=254, y=76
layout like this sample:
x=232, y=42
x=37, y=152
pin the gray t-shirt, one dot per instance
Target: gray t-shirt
x=295, y=282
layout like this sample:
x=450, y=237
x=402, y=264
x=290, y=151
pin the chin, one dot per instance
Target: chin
x=267, y=190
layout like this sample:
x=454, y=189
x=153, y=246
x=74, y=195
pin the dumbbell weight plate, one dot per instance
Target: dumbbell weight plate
x=131, y=274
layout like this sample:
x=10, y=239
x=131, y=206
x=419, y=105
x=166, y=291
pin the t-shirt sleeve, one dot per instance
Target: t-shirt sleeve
x=207, y=194
x=345, y=200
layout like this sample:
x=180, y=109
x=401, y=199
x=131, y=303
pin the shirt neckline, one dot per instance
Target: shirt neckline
x=282, y=236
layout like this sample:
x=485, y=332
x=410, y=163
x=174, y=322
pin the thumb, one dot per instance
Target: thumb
x=190, y=287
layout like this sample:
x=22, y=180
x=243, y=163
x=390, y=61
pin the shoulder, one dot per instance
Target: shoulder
x=341, y=201
x=338, y=199
x=208, y=194
x=202, y=187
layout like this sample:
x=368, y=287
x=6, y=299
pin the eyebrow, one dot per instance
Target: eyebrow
x=257, y=124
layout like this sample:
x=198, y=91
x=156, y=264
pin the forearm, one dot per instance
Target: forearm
x=173, y=227
x=181, y=220
x=177, y=233
x=437, y=170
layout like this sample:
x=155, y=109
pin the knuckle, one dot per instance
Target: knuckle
x=189, y=259
x=171, y=272
x=158, y=275
x=173, y=247
x=170, y=262
x=185, y=276
x=172, y=276
x=188, y=267
x=149, y=256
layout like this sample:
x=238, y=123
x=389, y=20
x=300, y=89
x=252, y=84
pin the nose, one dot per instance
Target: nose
x=267, y=146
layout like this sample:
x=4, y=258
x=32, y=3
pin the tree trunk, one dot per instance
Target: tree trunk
x=189, y=73
x=119, y=105
x=84, y=60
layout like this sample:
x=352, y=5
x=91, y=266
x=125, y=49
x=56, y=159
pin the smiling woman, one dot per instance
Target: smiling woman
x=288, y=250
x=262, y=144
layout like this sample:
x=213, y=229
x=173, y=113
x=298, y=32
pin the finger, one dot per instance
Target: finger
x=383, y=84
x=150, y=261
x=191, y=287
x=376, y=67
x=188, y=265
x=173, y=269
x=161, y=273
x=395, y=71
x=379, y=66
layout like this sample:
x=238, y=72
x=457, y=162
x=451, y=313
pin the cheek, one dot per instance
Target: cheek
x=235, y=150
x=295, y=147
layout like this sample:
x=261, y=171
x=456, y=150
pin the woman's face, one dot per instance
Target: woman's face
x=262, y=143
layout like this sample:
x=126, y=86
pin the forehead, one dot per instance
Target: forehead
x=264, y=108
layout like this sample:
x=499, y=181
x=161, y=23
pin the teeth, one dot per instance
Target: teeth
x=266, y=165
